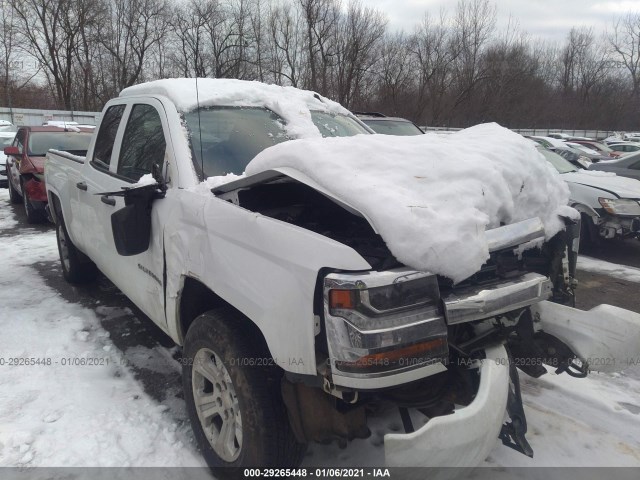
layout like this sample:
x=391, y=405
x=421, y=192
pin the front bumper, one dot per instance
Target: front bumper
x=611, y=226
x=464, y=438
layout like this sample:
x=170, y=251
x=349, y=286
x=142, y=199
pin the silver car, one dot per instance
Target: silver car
x=627, y=166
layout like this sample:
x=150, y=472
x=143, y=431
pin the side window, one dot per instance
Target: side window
x=19, y=141
x=143, y=144
x=107, y=135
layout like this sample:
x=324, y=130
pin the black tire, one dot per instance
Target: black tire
x=34, y=215
x=76, y=266
x=267, y=439
x=14, y=196
x=588, y=235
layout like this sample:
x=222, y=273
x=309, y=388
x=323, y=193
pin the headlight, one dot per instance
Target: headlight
x=382, y=322
x=620, y=206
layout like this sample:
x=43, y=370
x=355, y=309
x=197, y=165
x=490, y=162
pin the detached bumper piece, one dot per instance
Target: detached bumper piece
x=464, y=438
x=477, y=303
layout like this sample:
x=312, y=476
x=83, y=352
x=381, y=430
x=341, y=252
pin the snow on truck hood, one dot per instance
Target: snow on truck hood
x=431, y=198
x=291, y=104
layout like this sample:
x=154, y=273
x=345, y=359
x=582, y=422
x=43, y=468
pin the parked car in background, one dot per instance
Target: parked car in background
x=382, y=124
x=627, y=166
x=578, y=158
x=625, y=147
x=559, y=135
x=25, y=163
x=599, y=147
x=5, y=140
x=7, y=126
x=609, y=205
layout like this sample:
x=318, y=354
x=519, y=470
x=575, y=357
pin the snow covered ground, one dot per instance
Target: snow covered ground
x=67, y=414
x=624, y=272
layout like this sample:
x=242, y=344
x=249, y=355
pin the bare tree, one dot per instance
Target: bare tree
x=134, y=28
x=357, y=36
x=625, y=42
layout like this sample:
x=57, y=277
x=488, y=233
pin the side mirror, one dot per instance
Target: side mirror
x=12, y=151
x=131, y=225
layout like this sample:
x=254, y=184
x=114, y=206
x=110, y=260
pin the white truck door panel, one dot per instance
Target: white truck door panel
x=141, y=142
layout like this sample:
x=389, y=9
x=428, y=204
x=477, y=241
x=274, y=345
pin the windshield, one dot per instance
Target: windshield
x=393, y=127
x=73, y=142
x=225, y=139
x=559, y=163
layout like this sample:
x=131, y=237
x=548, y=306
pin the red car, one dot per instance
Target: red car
x=25, y=163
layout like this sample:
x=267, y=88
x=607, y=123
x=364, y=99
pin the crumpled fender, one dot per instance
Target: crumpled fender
x=606, y=337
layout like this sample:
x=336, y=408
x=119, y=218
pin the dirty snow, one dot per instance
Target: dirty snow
x=432, y=197
x=624, y=272
x=290, y=103
x=63, y=413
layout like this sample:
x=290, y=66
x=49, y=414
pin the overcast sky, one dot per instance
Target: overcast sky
x=550, y=19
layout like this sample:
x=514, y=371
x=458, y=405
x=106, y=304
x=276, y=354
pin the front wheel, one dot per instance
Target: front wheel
x=233, y=398
x=76, y=267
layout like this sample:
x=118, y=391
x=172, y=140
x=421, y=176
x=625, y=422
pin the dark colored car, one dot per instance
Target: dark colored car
x=384, y=125
x=25, y=163
x=627, y=166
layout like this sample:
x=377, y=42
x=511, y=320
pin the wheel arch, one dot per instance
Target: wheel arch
x=57, y=206
x=196, y=298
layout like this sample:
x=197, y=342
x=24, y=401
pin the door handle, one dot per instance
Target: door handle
x=82, y=186
x=108, y=200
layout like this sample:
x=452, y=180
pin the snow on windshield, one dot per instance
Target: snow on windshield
x=431, y=198
x=291, y=104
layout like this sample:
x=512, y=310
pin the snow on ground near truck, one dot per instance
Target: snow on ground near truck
x=63, y=414
x=431, y=198
x=623, y=272
x=100, y=415
x=291, y=104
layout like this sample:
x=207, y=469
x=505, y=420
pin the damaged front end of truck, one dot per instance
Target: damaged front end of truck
x=444, y=355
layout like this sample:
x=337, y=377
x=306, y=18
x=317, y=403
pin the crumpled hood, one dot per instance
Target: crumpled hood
x=430, y=197
x=622, y=186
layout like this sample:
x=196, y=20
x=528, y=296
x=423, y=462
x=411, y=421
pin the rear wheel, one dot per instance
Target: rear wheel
x=76, y=266
x=233, y=399
x=33, y=214
x=14, y=196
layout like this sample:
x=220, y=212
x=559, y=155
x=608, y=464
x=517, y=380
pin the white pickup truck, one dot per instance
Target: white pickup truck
x=297, y=320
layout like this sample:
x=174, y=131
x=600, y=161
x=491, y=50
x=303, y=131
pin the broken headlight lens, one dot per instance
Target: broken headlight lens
x=620, y=206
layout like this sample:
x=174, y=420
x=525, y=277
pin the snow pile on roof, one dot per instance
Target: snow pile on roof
x=430, y=197
x=292, y=104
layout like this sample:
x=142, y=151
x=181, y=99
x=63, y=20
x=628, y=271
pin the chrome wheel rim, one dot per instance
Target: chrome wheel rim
x=64, y=247
x=217, y=405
